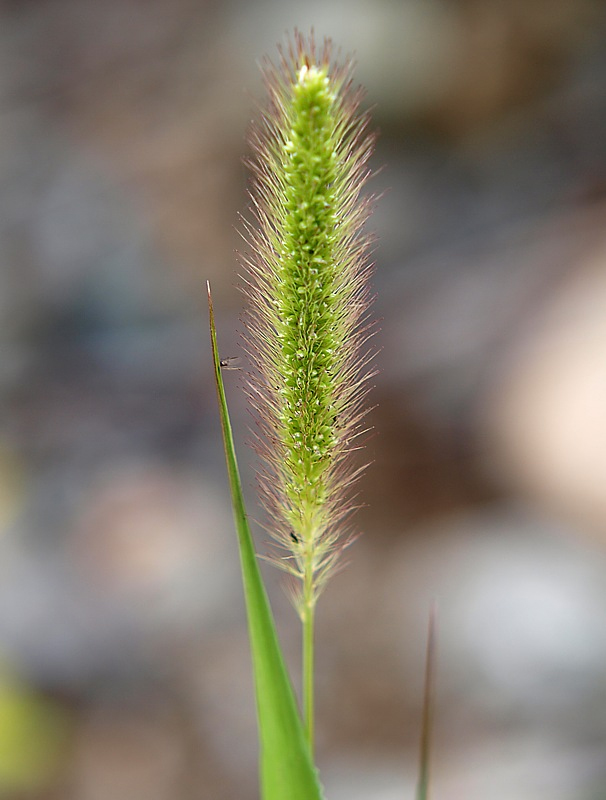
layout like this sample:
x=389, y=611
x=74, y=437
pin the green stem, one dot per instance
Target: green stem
x=308, y=672
x=308, y=617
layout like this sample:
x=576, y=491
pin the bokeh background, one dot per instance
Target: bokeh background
x=124, y=667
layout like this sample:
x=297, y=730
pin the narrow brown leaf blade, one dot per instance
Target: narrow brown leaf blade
x=428, y=706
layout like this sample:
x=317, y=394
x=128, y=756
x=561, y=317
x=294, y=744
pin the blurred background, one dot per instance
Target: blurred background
x=124, y=666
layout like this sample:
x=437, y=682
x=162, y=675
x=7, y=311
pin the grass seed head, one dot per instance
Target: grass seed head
x=308, y=293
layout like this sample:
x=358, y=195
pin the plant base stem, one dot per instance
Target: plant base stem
x=308, y=674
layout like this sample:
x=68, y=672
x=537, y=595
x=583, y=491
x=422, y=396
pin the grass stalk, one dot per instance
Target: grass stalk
x=308, y=673
x=307, y=325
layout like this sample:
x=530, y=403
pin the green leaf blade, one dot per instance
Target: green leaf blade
x=286, y=766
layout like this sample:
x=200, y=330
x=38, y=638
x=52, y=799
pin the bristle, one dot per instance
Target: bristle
x=307, y=285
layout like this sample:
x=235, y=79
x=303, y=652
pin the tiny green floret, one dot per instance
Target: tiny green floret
x=308, y=301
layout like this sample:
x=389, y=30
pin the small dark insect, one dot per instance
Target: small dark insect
x=231, y=362
x=294, y=537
